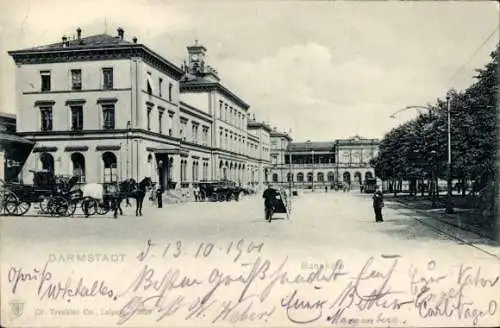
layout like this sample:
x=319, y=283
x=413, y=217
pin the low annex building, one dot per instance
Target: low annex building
x=319, y=164
x=14, y=150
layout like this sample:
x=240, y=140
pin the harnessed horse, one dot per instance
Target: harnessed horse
x=131, y=189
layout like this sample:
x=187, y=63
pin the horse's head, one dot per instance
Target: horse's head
x=146, y=183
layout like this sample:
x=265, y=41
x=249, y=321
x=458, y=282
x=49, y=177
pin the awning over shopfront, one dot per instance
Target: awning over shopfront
x=17, y=151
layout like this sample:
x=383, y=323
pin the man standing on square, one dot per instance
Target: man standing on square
x=378, y=203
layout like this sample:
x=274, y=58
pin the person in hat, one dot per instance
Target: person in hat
x=378, y=204
x=269, y=196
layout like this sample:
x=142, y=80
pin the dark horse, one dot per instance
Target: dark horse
x=131, y=189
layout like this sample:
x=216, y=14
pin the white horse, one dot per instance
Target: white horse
x=94, y=190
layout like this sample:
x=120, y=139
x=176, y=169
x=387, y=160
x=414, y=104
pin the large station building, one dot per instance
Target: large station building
x=107, y=109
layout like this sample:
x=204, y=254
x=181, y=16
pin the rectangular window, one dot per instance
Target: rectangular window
x=221, y=110
x=225, y=113
x=170, y=123
x=76, y=118
x=160, y=119
x=195, y=133
x=160, y=86
x=76, y=79
x=170, y=86
x=108, y=114
x=107, y=77
x=45, y=76
x=46, y=116
x=149, y=118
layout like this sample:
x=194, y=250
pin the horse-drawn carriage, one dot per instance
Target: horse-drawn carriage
x=59, y=195
x=219, y=191
x=53, y=195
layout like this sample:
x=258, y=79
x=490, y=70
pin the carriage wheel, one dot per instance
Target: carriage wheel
x=10, y=204
x=58, y=205
x=22, y=208
x=102, y=207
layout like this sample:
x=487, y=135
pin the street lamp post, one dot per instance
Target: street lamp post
x=433, y=177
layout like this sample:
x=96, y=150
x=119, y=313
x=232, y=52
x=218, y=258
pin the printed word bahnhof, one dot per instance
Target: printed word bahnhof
x=107, y=109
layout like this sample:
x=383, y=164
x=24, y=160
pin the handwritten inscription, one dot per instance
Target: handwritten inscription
x=236, y=249
x=432, y=301
x=49, y=287
x=254, y=289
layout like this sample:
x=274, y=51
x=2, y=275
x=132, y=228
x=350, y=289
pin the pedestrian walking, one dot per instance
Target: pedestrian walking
x=378, y=203
x=326, y=188
x=159, y=197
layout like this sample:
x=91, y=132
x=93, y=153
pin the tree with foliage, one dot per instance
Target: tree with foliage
x=418, y=148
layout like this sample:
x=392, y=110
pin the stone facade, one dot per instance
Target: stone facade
x=314, y=164
x=107, y=109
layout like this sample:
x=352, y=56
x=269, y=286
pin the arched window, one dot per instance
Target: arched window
x=309, y=177
x=347, y=177
x=368, y=175
x=321, y=177
x=47, y=162
x=110, y=164
x=275, y=177
x=331, y=176
x=289, y=177
x=357, y=177
x=300, y=177
x=78, y=166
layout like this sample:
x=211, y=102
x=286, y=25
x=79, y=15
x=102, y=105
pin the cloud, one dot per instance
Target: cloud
x=324, y=69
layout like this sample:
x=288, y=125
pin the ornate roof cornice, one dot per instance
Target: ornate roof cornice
x=44, y=56
x=257, y=125
x=204, y=86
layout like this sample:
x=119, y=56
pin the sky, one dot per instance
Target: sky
x=322, y=69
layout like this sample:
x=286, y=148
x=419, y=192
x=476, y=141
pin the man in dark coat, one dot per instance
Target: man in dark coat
x=378, y=203
x=269, y=196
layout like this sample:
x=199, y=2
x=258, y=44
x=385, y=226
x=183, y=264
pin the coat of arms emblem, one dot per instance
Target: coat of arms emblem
x=16, y=308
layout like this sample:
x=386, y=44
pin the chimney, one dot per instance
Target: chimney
x=64, y=41
x=134, y=39
x=121, y=32
x=79, y=34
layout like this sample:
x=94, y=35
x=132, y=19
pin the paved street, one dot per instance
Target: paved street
x=323, y=221
x=323, y=227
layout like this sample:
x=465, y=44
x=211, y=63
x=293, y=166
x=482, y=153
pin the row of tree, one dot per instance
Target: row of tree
x=418, y=149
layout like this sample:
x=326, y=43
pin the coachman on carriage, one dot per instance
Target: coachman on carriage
x=276, y=201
